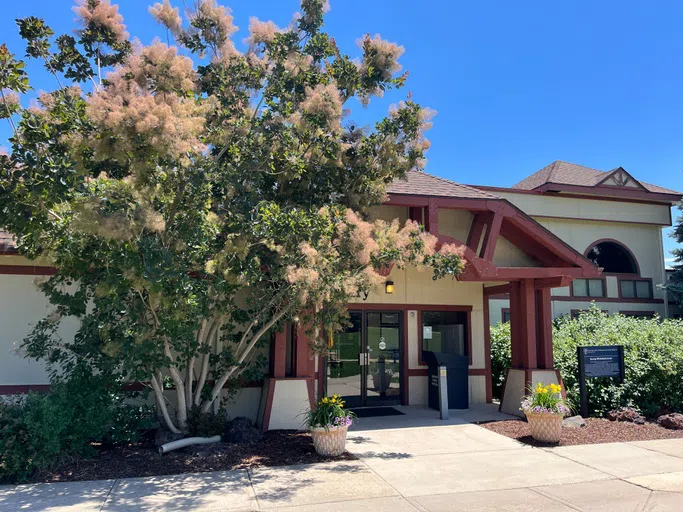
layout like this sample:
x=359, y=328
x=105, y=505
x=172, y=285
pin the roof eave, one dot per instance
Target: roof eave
x=616, y=192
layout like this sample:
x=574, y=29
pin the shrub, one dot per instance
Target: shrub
x=41, y=430
x=500, y=356
x=206, y=424
x=653, y=354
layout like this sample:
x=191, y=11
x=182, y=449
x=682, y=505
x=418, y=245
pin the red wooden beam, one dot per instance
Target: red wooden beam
x=407, y=200
x=530, y=245
x=459, y=203
x=495, y=290
x=491, y=237
x=553, y=282
x=617, y=192
x=27, y=270
x=476, y=230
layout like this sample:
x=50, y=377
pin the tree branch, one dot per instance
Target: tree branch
x=252, y=343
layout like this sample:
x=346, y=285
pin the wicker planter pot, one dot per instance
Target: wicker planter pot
x=545, y=426
x=329, y=442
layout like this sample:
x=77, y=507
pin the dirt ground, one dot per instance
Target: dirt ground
x=597, y=430
x=277, y=448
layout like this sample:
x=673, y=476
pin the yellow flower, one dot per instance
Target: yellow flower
x=325, y=400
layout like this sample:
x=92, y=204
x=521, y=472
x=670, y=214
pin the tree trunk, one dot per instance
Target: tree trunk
x=218, y=386
x=161, y=403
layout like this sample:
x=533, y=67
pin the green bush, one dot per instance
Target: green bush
x=653, y=353
x=500, y=356
x=206, y=424
x=40, y=430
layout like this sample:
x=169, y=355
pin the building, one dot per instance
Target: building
x=611, y=218
x=550, y=245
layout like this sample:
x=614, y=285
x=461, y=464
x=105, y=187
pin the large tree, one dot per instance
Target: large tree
x=194, y=199
x=675, y=283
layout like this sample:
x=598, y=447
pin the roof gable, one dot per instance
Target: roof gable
x=619, y=177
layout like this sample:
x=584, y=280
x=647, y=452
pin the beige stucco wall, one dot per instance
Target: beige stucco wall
x=455, y=223
x=22, y=305
x=389, y=213
x=643, y=240
x=509, y=255
x=538, y=205
x=560, y=308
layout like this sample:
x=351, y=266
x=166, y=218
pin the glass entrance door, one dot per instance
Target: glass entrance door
x=383, y=346
x=364, y=361
x=345, y=363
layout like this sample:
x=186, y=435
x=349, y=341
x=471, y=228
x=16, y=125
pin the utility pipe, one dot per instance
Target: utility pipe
x=188, y=441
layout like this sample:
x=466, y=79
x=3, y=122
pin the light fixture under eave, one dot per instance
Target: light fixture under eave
x=389, y=287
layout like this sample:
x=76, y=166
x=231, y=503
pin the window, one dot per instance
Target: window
x=638, y=314
x=588, y=288
x=445, y=331
x=505, y=315
x=635, y=289
x=613, y=258
x=575, y=313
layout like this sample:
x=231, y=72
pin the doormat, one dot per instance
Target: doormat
x=371, y=412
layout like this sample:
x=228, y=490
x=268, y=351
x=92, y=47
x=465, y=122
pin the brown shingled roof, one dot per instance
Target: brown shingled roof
x=7, y=243
x=422, y=184
x=565, y=173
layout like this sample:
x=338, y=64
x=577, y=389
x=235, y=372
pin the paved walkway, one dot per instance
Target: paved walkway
x=446, y=468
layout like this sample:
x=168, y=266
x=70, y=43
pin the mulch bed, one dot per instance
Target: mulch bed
x=597, y=430
x=278, y=448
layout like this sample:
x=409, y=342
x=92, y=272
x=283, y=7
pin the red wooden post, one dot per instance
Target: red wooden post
x=544, y=329
x=432, y=221
x=528, y=324
x=515, y=325
x=303, y=364
x=416, y=214
x=279, y=353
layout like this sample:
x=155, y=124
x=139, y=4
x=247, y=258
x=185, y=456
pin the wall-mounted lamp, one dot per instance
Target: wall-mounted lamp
x=389, y=287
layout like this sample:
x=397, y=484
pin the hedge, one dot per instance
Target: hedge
x=653, y=353
x=39, y=431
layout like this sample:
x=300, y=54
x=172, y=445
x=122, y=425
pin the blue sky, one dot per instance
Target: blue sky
x=516, y=84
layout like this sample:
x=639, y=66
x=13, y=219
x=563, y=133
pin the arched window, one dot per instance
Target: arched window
x=613, y=257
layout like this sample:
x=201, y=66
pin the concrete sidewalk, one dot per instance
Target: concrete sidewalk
x=446, y=468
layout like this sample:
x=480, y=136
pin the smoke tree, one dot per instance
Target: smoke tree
x=195, y=197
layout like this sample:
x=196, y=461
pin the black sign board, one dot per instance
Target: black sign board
x=599, y=361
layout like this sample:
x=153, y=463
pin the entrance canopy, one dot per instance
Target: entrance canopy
x=494, y=222
x=492, y=218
